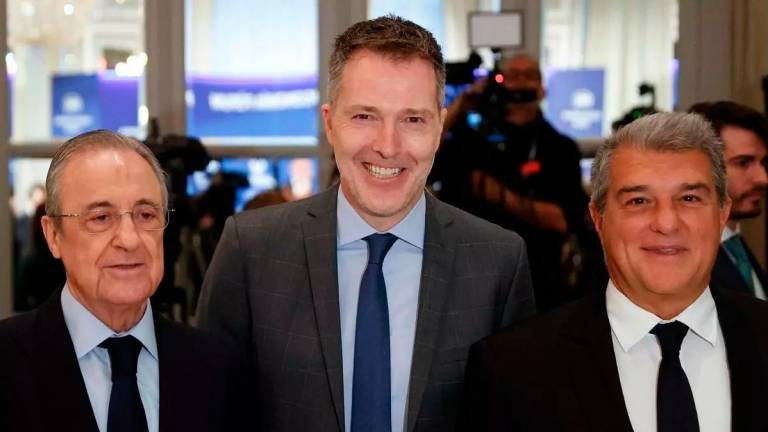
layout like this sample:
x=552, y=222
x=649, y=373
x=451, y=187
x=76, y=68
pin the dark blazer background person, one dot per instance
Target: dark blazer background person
x=94, y=357
x=658, y=350
x=287, y=282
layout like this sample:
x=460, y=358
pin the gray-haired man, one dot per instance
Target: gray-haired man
x=95, y=357
x=657, y=350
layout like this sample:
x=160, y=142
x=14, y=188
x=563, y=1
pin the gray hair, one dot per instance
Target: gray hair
x=664, y=132
x=393, y=37
x=96, y=140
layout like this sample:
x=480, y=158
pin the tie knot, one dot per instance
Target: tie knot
x=123, y=355
x=670, y=337
x=378, y=246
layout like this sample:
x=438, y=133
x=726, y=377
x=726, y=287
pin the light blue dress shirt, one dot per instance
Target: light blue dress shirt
x=402, y=274
x=87, y=332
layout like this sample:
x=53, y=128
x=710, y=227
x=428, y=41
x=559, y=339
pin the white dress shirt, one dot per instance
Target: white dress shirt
x=402, y=275
x=87, y=332
x=728, y=233
x=702, y=356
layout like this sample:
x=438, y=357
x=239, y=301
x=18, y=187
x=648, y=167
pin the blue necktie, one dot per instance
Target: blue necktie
x=126, y=412
x=371, y=403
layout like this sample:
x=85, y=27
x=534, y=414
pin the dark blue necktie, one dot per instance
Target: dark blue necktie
x=126, y=412
x=371, y=404
x=675, y=407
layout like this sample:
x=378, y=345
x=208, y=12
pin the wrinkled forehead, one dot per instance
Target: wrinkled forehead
x=108, y=175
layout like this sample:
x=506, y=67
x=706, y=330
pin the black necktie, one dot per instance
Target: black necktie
x=676, y=410
x=371, y=387
x=126, y=412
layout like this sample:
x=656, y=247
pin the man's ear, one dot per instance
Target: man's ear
x=52, y=235
x=597, y=219
x=326, y=111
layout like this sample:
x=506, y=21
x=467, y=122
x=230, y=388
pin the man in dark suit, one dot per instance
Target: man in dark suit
x=744, y=131
x=357, y=307
x=657, y=350
x=94, y=357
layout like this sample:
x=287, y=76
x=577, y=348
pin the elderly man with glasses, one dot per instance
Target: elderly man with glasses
x=94, y=357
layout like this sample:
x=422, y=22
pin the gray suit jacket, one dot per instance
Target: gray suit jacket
x=272, y=288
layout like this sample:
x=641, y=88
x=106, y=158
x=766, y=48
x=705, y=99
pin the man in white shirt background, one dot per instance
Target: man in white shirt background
x=657, y=350
x=744, y=132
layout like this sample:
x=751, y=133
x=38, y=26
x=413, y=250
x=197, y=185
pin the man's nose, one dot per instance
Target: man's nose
x=665, y=218
x=126, y=233
x=388, y=143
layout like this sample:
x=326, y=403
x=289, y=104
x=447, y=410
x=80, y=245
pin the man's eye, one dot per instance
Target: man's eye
x=691, y=198
x=637, y=201
x=146, y=215
x=362, y=117
x=414, y=120
x=99, y=217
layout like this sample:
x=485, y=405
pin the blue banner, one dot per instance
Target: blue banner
x=575, y=102
x=219, y=107
x=93, y=101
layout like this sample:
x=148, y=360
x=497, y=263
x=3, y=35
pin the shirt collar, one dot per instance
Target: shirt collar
x=352, y=227
x=630, y=323
x=87, y=331
x=728, y=232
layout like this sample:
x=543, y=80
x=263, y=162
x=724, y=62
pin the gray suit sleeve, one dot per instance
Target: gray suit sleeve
x=520, y=302
x=223, y=307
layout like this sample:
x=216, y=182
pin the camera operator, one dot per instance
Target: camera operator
x=517, y=170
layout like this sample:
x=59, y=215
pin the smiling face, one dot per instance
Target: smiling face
x=384, y=126
x=120, y=268
x=661, y=226
x=745, y=157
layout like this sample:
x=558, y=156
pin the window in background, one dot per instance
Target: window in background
x=36, y=274
x=252, y=71
x=254, y=182
x=73, y=66
x=597, y=53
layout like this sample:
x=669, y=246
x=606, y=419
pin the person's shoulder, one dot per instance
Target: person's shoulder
x=204, y=347
x=17, y=330
x=745, y=306
x=472, y=228
x=538, y=336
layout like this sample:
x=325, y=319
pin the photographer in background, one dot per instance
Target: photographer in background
x=508, y=165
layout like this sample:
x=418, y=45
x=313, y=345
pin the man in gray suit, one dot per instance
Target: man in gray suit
x=356, y=307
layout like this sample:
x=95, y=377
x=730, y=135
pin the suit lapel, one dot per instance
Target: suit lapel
x=757, y=268
x=727, y=275
x=746, y=370
x=437, y=266
x=174, y=376
x=58, y=374
x=588, y=349
x=320, y=246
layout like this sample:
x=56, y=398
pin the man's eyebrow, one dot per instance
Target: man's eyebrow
x=632, y=189
x=147, y=201
x=360, y=107
x=98, y=204
x=695, y=186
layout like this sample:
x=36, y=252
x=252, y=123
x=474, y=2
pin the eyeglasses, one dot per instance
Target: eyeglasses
x=145, y=217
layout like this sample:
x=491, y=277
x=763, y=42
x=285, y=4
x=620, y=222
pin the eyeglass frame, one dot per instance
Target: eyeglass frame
x=119, y=215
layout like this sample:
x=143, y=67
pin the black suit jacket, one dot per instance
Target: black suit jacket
x=558, y=371
x=272, y=287
x=726, y=276
x=42, y=388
